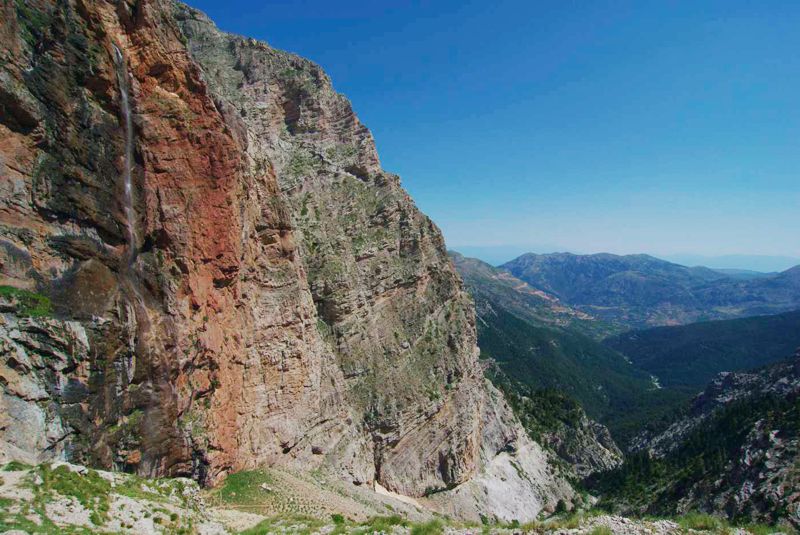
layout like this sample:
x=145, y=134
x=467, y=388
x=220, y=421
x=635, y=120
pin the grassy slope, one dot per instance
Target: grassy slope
x=691, y=355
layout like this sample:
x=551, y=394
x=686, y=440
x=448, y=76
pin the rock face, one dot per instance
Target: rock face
x=583, y=446
x=265, y=294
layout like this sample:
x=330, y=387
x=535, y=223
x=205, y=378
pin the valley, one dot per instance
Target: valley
x=729, y=449
x=691, y=355
x=220, y=313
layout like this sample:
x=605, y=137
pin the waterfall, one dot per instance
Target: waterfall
x=139, y=322
x=124, y=91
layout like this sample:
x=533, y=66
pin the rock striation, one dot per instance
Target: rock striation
x=227, y=277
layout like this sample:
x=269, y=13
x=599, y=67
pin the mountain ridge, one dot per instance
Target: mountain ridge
x=637, y=291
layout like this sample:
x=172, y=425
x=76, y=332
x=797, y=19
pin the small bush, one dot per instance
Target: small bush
x=702, y=521
x=28, y=303
x=16, y=466
x=561, y=507
x=384, y=523
x=434, y=527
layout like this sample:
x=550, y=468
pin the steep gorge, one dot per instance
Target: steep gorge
x=234, y=279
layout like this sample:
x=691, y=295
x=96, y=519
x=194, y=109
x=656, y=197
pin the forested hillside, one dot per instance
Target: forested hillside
x=691, y=355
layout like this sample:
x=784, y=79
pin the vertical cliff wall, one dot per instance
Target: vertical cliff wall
x=265, y=294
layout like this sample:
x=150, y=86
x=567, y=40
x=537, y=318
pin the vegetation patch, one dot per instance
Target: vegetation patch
x=301, y=164
x=28, y=303
x=245, y=488
x=434, y=527
x=298, y=525
x=16, y=466
x=646, y=484
x=91, y=490
x=702, y=522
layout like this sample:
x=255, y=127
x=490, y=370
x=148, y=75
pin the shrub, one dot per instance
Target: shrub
x=561, y=507
x=28, y=303
x=701, y=521
x=434, y=527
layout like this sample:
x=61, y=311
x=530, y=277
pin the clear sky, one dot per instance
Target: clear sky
x=671, y=128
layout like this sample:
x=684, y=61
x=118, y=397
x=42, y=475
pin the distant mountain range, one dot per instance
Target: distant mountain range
x=756, y=263
x=638, y=291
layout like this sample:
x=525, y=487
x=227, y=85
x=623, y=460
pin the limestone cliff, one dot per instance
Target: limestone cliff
x=227, y=276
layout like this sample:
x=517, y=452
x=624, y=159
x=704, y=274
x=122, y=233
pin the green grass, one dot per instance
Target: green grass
x=434, y=527
x=378, y=524
x=16, y=466
x=91, y=490
x=601, y=530
x=702, y=521
x=28, y=303
x=244, y=488
x=762, y=529
x=299, y=525
x=715, y=524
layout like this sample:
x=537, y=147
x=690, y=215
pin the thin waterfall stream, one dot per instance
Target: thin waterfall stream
x=127, y=173
x=141, y=320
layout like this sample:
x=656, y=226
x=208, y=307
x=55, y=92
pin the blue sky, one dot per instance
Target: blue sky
x=671, y=128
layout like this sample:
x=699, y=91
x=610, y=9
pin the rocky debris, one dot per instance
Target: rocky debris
x=621, y=525
x=62, y=496
x=67, y=497
x=518, y=479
